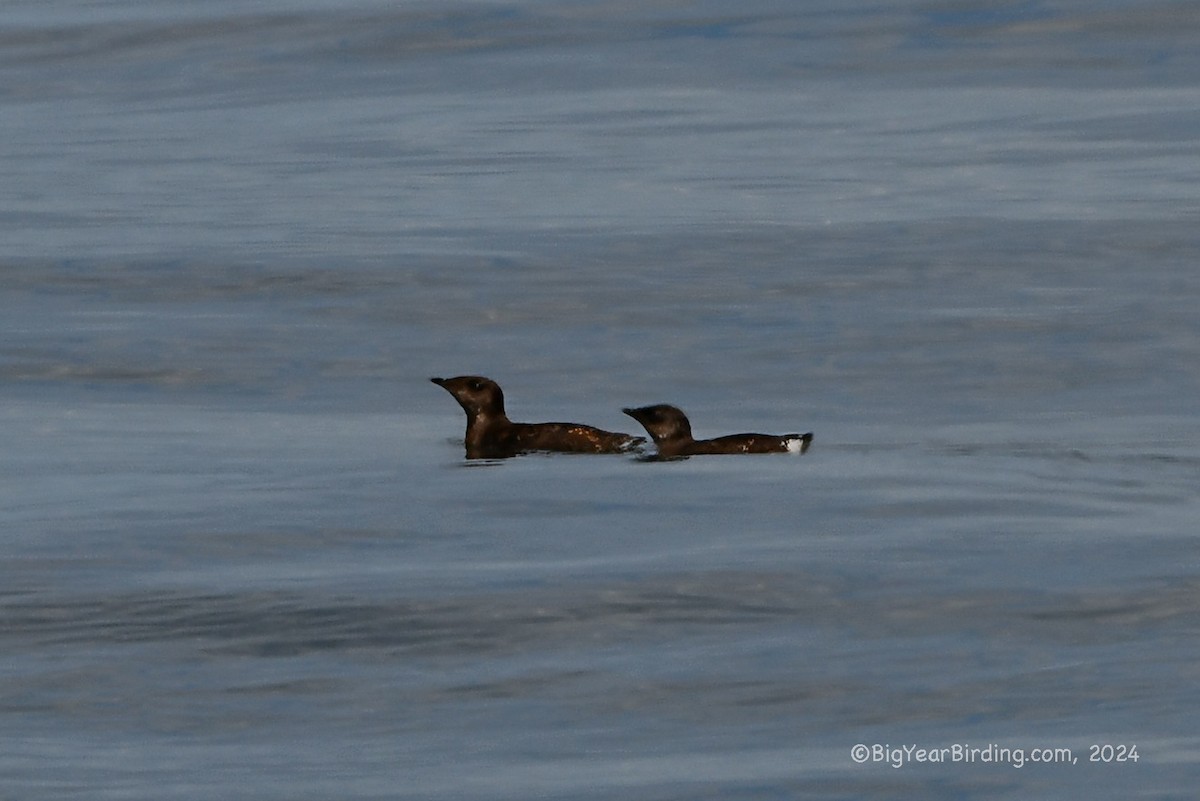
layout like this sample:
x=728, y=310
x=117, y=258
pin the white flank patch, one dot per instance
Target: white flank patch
x=795, y=445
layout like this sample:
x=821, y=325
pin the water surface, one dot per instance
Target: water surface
x=243, y=554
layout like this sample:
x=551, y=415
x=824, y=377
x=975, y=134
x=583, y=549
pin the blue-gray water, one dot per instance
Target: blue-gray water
x=241, y=555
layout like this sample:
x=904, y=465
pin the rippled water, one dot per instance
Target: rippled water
x=244, y=557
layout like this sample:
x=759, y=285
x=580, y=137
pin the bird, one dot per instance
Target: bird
x=672, y=435
x=491, y=435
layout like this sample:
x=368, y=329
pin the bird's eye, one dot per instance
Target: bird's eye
x=476, y=385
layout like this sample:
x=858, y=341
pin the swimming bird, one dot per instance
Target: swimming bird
x=491, y=435
x=672, y=434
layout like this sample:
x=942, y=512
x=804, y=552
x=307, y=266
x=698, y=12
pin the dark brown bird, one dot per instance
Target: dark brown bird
x=672, y=435
x=491, y=435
